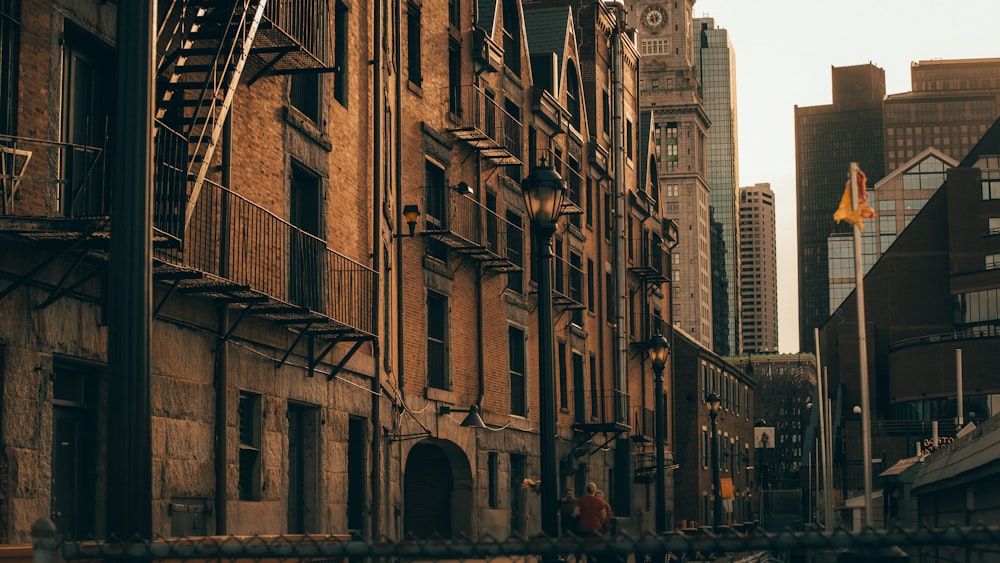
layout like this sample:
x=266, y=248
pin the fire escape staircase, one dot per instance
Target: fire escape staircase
x=201, y=230
x=205, y=47
x=475, y=231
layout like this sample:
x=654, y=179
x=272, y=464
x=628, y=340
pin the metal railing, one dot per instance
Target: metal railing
x=303, y=21
x=991, y=330
x=604, y=407
x=487, y=126
x=745, y=542
x=567, y=283
x=234, y=239
x=473, y=228
x=52, y=179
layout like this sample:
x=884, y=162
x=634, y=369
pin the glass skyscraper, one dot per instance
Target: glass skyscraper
x=715, y=63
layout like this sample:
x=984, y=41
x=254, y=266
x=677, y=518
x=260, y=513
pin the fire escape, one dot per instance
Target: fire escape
x=208, y=240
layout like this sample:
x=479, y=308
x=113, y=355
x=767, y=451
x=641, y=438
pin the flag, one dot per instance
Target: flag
x=857, y=215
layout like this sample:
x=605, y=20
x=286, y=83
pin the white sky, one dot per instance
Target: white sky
x=784, y=51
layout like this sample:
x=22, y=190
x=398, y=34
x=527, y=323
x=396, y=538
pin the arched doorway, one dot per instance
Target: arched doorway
x=437, y=491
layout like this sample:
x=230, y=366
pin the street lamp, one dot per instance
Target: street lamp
x=714, y=404
x=544, y=191
x=658, y=350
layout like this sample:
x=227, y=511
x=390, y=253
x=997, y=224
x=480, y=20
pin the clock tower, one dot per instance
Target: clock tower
x=669, y=92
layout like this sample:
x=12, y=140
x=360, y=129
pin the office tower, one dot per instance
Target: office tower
x=758, y=270
x=951, y=105
x=669, y=88
x=827, y=139
x=715, y=62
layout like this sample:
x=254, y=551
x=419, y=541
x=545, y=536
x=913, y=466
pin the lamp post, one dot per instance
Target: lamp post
x=714, y=404
x=659, y=349
x=544, y=191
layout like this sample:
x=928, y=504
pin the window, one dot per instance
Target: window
x=629, y=134
x=578, y=400
x=435, y=202
x=576, y=286
x=593, y=386
x=606, y=117
x=609, y=292
x=590, y=285
x=74, y=446
x=573, y=191
x=307, y=248
x=455, y=77
x=516, y=360
x=10, y=41
x=588, y=201
x=437, y=341
x=573, y=96
x=511, y=37
x=304, y=94
x=249, y=414
x=413, y=25
x=493, y=479
x=563, y=376
x=454, y=14
x=515, y=251
x=340, y=52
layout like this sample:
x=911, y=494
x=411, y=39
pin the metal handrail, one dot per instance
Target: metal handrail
x=298, y=19
x=52, y=179
x=235, y=239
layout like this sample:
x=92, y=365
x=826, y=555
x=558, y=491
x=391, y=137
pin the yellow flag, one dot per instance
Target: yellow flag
x=857, y=215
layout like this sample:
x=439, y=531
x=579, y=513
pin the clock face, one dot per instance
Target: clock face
x=653, y=17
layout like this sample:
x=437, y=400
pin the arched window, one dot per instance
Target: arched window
x=573, y=96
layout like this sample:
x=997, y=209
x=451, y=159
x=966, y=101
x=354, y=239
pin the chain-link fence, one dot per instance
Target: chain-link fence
x=970, y=544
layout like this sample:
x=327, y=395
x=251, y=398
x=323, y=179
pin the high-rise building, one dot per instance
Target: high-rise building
x=827, y=139
x=951, y=105
x=670, y=89
x=715, y=62
x=758, y=269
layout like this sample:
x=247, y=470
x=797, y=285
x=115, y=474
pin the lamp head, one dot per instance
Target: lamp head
x=658, y=350
x=411, y=213
x=714, y=403
x=544, y=191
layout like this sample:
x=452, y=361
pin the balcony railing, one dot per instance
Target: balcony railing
x=250, y=253
x=649, y=261
x=646, y=326
x=474, y=230
x=605, y=410
x=52, y=180
x=487, y=126
x=567, y=284
x=293, y=36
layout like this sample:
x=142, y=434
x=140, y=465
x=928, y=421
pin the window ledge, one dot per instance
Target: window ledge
x=307, y=127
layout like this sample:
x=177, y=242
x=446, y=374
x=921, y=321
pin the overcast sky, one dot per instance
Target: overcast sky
x=784, y=52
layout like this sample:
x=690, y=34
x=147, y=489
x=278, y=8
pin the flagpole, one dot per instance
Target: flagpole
x=866, y=425
x=825, y=458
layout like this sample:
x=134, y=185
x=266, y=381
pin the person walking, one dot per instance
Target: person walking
x=591, y=512
x=567, y=504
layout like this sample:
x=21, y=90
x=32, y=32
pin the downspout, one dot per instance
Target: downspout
x=620, y=234
x=222, y=348
x=481, y=345
x=377, y=251
x=398, y=187
x=623, y=446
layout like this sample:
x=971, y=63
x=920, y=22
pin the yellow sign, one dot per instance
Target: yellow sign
x=726, y=487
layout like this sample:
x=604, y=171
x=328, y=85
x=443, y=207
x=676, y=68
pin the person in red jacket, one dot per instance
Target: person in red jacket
x=591, y=512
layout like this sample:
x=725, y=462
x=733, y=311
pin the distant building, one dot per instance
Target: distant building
x=670, y=88
x=951, y=105
x=715, y=62
x=934, y=292
x=827, y=139
x=758, y=269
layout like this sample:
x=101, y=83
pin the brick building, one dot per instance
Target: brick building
x=340, y=260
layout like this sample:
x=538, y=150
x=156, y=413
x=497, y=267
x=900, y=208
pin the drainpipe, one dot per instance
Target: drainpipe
x=480, y=347
x=377, y=253
x=222, y=348
x=398, y=189
x=623, y=453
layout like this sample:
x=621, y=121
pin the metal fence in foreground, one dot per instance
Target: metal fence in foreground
x=970, y=544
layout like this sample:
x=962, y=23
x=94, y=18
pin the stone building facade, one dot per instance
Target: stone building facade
x=341, y=260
